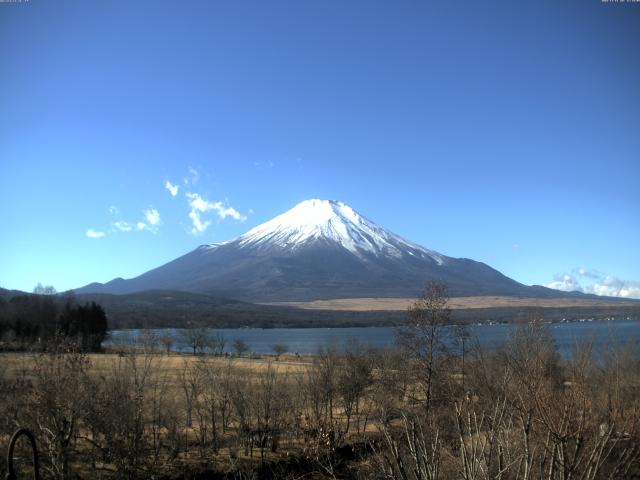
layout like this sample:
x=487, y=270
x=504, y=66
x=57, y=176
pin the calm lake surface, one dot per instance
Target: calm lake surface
x=309, y=340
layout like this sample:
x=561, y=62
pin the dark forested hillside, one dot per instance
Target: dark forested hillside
x=29, y=319
x=157, y=309
x=36, y=316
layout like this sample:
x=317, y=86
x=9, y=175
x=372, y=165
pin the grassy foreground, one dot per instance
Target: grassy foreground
x=415, y=413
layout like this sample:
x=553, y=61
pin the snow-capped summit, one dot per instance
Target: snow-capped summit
x=330, y=221
x=320, y=249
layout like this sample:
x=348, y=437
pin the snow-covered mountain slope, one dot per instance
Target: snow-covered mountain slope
x=319, y=249
x=332, y=221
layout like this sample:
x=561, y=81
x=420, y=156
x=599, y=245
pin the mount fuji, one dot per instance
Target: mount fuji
x=320, y=249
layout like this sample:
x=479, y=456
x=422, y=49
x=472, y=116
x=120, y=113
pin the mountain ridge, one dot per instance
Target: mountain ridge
x=319, y=249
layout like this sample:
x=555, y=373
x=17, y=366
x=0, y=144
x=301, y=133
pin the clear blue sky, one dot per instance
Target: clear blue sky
x=507, y=132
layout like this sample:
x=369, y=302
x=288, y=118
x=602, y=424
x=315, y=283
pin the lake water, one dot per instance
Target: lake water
x=309, y=340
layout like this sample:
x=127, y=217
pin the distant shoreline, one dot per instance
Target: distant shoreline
x=307, y=341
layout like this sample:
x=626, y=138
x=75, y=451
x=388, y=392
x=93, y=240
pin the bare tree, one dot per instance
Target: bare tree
x=462, y=335
x=148, y=340
x=59, y=401
x=190, y=385
x=118, y=417
x=196, y=338
x=213, y=402
x=240, y=346
x=217, y=343
x=422, y=335
x=411, y=452
x=324, y=376
x=167, y=341
x=354, y=375
x=271, y=403
x=279, y=349
x=227, y=375
x=40, y=289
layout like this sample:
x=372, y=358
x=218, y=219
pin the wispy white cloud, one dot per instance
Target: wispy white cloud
x=266, y=164
x=199, y=225
x=152, y=221
x=173, y=189
x=197, y=202
x=583, y=272
x=200, y=206
x=94, y=234
x=566, y=283
x=614, y=287
x=123, y=226
x=594, y=282
x=226, y=211
x=153, y=216
x=193, y=177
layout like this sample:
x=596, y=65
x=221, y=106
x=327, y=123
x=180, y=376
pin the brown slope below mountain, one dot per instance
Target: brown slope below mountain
x=456, y=303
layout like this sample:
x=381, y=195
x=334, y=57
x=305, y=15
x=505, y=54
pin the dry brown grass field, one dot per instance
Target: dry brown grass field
x=20, y=363
x=354, y=414
x=455, y=303
x=178, y=382
x=171, y=364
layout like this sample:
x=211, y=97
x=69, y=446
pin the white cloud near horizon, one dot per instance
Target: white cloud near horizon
x=94, y=234
x=595, y=283
x=173, y=189
x=113, y=210
x=200, y=206
x=611, y=286
x=566, y=283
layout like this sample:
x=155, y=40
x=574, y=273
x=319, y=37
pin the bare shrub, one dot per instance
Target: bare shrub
x=126, y=400
x=57, y=404
x=422, y=337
